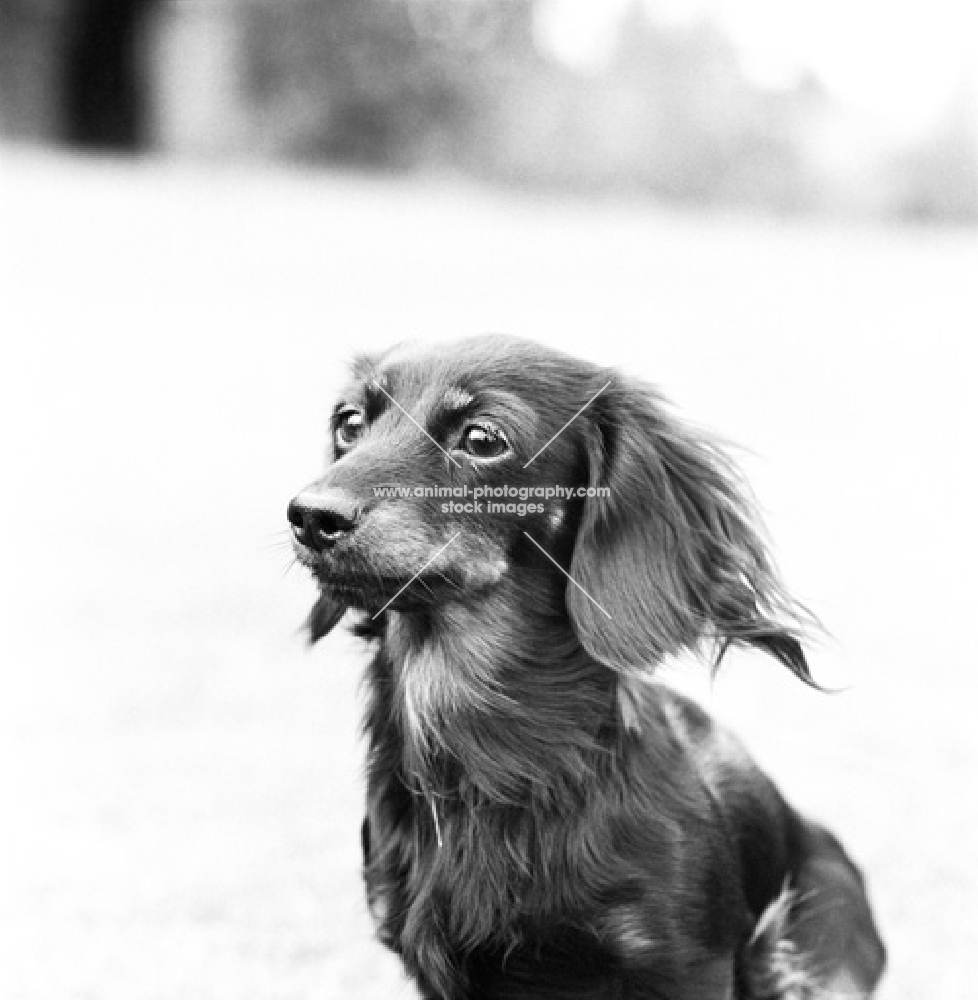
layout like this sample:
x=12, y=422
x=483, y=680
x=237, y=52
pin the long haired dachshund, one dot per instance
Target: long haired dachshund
x=544, y=820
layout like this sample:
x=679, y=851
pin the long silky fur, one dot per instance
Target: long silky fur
x=504, y=811
x=776, y=969
x=541, y=820
x=681, y=529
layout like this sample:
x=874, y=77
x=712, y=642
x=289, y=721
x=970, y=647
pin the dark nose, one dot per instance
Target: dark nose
x=320, y=519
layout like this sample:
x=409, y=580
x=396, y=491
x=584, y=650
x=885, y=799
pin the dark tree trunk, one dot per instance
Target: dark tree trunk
x=104, y=81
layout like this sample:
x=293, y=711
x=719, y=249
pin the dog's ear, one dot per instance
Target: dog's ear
x=671, y=556
x=323, y=618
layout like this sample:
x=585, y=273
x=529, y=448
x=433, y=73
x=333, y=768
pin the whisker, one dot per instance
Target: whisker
x=278, y=539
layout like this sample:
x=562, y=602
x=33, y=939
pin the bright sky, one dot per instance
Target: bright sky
x=894, y=60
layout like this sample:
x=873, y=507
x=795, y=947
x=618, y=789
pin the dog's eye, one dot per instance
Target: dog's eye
x=484, y=441
x=349, y=427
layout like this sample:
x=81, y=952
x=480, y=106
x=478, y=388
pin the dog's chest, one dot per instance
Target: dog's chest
x=481, y=901
x=510, y=917
x=466, y=888
x=481, y=865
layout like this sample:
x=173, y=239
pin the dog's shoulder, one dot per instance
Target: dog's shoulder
x=761, y=825
x=720, y=758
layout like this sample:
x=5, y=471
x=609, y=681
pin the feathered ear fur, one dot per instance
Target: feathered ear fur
x=324, y=617
x=672, y=555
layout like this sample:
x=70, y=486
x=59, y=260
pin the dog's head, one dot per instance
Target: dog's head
x=457, y=470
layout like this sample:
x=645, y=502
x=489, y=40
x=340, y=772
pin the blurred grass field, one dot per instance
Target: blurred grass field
x=180, y=777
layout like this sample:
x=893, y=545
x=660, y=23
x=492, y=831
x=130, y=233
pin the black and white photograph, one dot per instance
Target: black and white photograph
x=488, y=508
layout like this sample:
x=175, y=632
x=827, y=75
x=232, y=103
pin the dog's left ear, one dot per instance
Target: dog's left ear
x=324, y=617
x=671, y=557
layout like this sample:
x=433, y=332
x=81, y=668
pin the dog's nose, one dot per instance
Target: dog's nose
x=321, y=519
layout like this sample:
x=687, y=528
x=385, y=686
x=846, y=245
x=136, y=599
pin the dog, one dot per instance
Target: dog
x=545, y=819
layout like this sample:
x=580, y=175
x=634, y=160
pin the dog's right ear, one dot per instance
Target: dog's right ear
x=324, y=617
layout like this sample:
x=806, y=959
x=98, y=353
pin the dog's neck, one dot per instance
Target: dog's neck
x=499, y=706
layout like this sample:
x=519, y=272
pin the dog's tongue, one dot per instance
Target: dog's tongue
x=326, y=612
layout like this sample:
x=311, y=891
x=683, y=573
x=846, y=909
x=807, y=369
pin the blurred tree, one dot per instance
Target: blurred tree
x=105, y=73
x=938, y=178
x=31, y=64
x=702, y=130
x=383, y=82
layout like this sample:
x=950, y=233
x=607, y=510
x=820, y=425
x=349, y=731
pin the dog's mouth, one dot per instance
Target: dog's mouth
x=350, y=582
x=384, y=594
x=391, y=573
